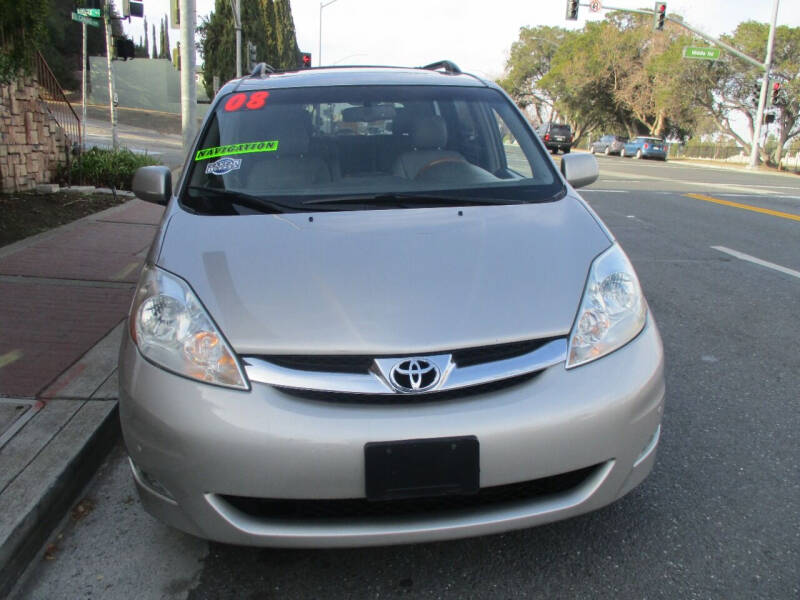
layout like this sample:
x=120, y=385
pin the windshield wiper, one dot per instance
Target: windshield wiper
x=410, y=198
x=246, y=200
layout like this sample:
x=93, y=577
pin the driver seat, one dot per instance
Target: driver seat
x=428, y=139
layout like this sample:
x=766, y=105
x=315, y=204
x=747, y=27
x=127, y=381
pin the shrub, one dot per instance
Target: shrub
x=108, y=168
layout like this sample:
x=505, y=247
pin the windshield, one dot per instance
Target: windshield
x=334, y=146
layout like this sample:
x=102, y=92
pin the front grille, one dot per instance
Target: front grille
x=484, y=354
x=353, y=363
x=323, y=363
x=331, y=510
x=457, y=394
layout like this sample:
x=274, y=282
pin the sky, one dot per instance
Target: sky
x=475, y=34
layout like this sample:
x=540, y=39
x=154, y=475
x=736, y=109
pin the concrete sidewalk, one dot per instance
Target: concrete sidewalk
x=63, y=297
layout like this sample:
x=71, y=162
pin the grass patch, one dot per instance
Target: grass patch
x=108, y=168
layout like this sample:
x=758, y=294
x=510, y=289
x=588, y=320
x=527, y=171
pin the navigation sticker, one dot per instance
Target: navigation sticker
x=246, y=148
x=223, y=166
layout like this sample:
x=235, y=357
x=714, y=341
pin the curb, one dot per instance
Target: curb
x=70, y=466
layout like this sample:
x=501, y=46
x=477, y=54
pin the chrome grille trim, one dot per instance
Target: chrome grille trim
x=376, y=380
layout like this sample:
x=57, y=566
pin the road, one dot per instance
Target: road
x=718, y=518
x=166, y=147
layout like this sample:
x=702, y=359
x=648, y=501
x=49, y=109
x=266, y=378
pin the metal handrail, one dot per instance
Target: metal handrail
x=53, y=97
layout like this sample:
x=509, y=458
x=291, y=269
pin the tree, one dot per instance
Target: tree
x=23, y=30
x=167, y=48
x=529, y=61
x=266, y=23
x=154, y=54
x=146, y=41
x=286, y=38
x=616, y=74
x=727, y=88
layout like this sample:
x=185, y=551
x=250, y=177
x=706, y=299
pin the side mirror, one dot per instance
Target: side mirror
x=153, y=184
x=579, y=169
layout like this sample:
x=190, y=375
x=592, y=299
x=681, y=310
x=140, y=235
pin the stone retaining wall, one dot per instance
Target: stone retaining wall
x=32, y=145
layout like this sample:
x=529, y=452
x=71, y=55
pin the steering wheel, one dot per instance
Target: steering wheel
x=439, y=161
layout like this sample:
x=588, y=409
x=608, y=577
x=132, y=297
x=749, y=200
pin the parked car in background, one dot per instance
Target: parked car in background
x=645, y=147
x=608, y=144
x=556, y=136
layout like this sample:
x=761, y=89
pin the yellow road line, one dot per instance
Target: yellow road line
x=9, y=357
x=758, y=209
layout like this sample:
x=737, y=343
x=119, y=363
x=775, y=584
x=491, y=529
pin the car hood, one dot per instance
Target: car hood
x=387, y=281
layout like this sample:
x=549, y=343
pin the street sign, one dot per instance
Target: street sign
x=90, y=12
x=701, y=53
x=595, y=6
x=85, y=19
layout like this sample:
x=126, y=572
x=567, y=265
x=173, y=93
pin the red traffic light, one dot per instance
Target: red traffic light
x=776, y=86
x=305, y=58
x=662, y=8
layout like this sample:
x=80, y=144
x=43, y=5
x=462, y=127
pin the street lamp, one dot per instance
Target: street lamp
x=321, y=6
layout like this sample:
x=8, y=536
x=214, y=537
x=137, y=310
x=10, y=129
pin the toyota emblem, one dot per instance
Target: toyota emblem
x=414, y=375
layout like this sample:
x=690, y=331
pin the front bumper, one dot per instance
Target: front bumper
x=191, y=444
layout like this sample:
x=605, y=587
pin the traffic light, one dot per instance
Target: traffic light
x=756, y=92
x=776, y=93
x=659, y=16
x=132, y=8
x=572, y=10
x=305, y=60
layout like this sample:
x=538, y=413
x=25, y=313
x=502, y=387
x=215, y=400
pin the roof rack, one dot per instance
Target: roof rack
x=261, y=69
x=448, y=66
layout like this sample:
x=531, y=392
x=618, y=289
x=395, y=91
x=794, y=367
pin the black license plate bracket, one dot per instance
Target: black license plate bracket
x=422, y=468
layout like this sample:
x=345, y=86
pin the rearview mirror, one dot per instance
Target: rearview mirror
x=579, y=169
x=153, y=184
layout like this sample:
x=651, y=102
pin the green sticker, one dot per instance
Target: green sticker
x=266, y=146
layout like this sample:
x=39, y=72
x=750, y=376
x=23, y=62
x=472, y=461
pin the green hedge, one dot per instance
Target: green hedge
x=108, y=168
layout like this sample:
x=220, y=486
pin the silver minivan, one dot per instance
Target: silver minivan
x=375, y=312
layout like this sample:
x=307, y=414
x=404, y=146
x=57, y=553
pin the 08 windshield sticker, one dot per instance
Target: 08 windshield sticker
x=246, y=148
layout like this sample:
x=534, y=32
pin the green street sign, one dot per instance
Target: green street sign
x=701, y=53
x=90, y=12
x=84, y=19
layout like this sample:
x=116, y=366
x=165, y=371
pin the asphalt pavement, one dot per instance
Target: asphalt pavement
x=718, y=253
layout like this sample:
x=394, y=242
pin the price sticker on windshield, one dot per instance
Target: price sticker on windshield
x=242, y=101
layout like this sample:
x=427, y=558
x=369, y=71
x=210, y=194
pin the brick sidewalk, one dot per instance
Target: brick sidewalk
x=63, y=297
x=63, y=291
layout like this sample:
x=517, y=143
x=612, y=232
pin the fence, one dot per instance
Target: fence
x=56, y=102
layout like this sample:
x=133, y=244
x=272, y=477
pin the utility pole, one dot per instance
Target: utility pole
x=188, y=83
x=762, y=99
x=111, y=95
x=83, y=90
x=236, y=7
x=321, y=6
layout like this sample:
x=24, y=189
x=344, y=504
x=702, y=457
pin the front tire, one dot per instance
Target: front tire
x=638, y=154
x=622, y=153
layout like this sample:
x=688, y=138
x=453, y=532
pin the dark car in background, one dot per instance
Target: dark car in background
x=645, y=147
x=556, y=136
x=608, y=144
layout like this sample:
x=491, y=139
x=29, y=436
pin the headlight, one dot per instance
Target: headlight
x=612, y=312
x=173, y=330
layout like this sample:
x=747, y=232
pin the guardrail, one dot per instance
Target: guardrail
x=53, y=97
